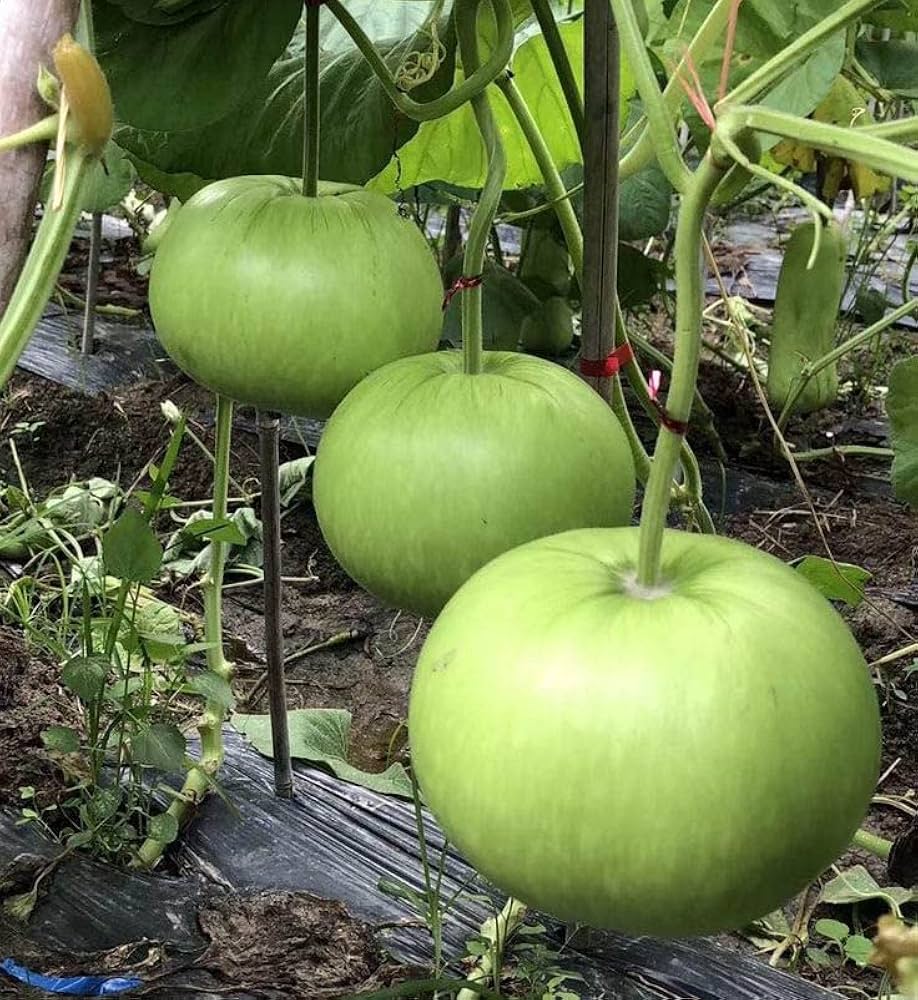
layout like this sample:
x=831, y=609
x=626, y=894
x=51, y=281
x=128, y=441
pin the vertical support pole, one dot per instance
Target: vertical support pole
x=600, y=191
x=268, y=446
x=92, y=285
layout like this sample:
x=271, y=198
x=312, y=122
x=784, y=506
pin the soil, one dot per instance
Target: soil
x=31, y=700
x=268, y=946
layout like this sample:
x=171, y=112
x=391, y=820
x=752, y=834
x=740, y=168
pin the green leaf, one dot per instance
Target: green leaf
x=161, y=746
x=645, y=201
x=835, y=581
x=131, y=550
x=85, y=677
x=859, y=949
x=264, y=135
x=640, y=277
x=320, y=735
x=893, y=62
x=222, y=530
x=857, y=885
x=187, y=75
x=61, y=738
x=902, y=410
x=20, y=907
x=108, y=181
x=835, y=930
x=163, y=827
x=450, y=149
x=215, y=689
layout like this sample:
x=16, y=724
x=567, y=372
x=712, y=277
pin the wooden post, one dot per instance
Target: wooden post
x=269, y=440
x=600, y=191
x=28, y=31
x=92, y=285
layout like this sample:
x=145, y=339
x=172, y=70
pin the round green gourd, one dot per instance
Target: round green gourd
x=675, y=761
x=424, y=473
x=805, y=315
x=286, y=302
x=550, y=329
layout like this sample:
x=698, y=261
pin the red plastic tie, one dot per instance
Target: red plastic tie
x=461, y=284
x=607, y=367
x=679, y=427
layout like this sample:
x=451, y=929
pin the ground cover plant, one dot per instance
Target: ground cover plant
x=731, y=711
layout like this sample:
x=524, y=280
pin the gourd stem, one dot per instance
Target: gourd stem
x=785, y=60
x=42, y=131
x=85, y=26
x=311, y=108
x=42, y=266
x=486, y=210
x=558, y=55
x=850, y=143
x=841, y=450
x=880, y=847
x=660, y=121
x=474, y=83
x=689, y=304
x=905, y=129
x=811, y=370
x=200, y=778
x=638, y=139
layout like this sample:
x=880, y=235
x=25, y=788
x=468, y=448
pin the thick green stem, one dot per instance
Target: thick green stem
x=42, y=266
x=638, y=140
x=849, y=143
x=870, y=842
x=689, y=305
x=311, y=110
x=811, y=370
x=474, y=83
x=788, y=58
x=904, y=129
x=485, y=212
x=558, y=55
x=201, y=776
x=660, y=120
x=43, y=131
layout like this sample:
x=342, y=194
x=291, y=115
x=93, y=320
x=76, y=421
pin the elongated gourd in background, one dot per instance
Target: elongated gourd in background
x=286, y=302
x=805, y=315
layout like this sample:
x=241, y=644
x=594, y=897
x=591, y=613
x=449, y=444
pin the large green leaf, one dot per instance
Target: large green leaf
x=902, y=409
x=451, y=149
x=187, y=75
x=359, y=126
x=321, y=736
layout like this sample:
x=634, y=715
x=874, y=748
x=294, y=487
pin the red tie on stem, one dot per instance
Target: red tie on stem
x=461, y=284
x=679, y=427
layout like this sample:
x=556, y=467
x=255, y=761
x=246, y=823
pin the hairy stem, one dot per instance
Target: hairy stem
x=850, y=143
x=660, y=120
x=473, y=85
x=870, y=842
x=201, y=776
x=689, y=304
